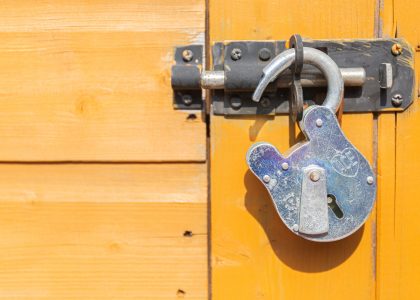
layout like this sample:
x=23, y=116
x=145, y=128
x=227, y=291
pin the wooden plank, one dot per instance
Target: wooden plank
x=71, y=232
x=387, y=236
x=104, y=183
x=186, y=16
x=253, y=255
x=401, y=228
x=90, y=81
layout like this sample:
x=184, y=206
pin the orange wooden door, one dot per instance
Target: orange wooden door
x=253, y=255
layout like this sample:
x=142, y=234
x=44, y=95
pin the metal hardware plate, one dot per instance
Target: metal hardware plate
x=313, y=213
x=389, y=82
x=242, y=76
x=185, y=78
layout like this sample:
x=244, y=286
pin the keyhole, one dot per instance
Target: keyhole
x=332, y=203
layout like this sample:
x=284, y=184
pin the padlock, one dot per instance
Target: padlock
x=323, y=188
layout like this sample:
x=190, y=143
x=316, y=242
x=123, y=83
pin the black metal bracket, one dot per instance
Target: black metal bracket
x=185, y=79
x=388, y=84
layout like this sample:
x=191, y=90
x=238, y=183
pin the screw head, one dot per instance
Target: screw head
x=265, y=102
x=264, y=54
x=319, y=122
x=295, y=227
x=397, y=100
x=236, y=103
x=329, y=200
x=314, y=176
x=369, y=180
x=266, y=178
x=187, y=55
x=187, y=99
x=236, y=54
x=396, y=49
x=285, y=166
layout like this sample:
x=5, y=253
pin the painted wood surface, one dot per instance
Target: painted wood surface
x=253, y=255
x=90, y=81
x=103, y=186
x=399, y=262
x=103, y=231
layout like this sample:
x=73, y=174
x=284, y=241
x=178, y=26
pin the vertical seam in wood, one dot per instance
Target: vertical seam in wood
x=378, y=21
x=395, y=169
x=374, y=224
x=378, y=32
x=208, y=119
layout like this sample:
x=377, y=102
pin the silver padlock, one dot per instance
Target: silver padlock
x=323, y=188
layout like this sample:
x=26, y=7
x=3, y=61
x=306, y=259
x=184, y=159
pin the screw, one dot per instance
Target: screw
x=266, y=178
x=319, y=122
x=314, y=176
x=396, y=49
x=236, y=54
x=329, y=200
x=265, y=102
x=295, y=227
x=369, y=180
x=236, y=103
x=397, y=100
x=187, y=55
x=285, y=166
x=187, y=99
x=264, y=54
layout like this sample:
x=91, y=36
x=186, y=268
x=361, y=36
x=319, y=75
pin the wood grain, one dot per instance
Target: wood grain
x=90, y=81
x=387, y=235
x=254, y=256
x=103, y=232
x=400, y=231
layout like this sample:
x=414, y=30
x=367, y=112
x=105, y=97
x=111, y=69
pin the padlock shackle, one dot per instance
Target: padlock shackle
x=313, y=57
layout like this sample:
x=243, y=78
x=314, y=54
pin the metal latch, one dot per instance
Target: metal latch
x=378, y=76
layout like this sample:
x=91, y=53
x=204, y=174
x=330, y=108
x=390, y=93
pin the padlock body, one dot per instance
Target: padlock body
x=350, y=181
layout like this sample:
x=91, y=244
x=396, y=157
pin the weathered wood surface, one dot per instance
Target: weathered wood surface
x=90, y=81
x=399, y=230
x=103, y=186
x=103, y=231
x=253, y=255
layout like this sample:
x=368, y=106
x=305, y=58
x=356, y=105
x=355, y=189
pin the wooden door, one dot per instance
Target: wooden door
x=253, y=255
x=103, y=186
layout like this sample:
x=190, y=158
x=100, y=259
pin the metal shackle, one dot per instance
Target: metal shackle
x=313, y=57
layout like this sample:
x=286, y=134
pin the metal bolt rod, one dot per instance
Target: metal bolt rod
x=215, y=80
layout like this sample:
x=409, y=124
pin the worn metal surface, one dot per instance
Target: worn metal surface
x=186, y=76
x=241, y=76
x=346, y=170
x=314, y=57
x=215, y=80
x=296, y=91
x=313, y=212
